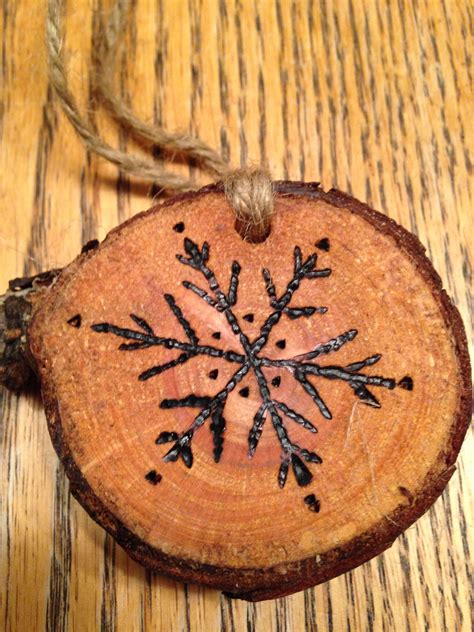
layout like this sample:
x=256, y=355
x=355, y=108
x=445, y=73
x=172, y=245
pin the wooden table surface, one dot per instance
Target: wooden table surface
x=369, y=96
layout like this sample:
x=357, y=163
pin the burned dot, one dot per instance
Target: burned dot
x=281, y=344
x=249, y=318
x=276, y=381
x=153, y=477
x=75, y=321
x=312, y=502
x=217, y=335
x=244, y=392
x=406, y=383
x=213, y=374
x=179, y=227
x=323, y=244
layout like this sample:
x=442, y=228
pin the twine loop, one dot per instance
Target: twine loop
x=248, y=190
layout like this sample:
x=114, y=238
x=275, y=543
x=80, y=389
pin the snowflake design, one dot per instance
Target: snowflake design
x=251, y=360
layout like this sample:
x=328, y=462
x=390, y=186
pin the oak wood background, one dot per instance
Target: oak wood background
x=369, y=96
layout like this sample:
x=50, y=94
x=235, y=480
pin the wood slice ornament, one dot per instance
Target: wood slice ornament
x=255, y=417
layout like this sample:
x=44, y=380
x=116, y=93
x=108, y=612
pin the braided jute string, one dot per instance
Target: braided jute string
x=249, y=190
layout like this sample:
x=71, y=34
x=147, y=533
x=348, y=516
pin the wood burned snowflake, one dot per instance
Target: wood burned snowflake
x=251, y=360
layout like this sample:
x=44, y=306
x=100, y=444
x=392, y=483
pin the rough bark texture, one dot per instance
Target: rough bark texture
x=17, y=369
x=311, y=559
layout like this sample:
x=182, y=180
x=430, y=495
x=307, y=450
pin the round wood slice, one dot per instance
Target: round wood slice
x=254, y=417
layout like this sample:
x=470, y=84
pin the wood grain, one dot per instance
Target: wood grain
x=366, y=96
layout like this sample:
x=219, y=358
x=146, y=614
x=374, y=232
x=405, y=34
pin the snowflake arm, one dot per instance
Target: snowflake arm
x=301, y=270
x=313, y=393
x=182, y=320
x=144, y=340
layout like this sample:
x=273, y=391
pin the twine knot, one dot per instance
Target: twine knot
x=250, y=193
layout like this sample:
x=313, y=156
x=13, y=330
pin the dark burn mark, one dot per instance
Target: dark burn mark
x=249, y=360
x=283, y=473
x=90, y=245
x=75, y=321
x=323, y=244
x=407, y=493
x=217, y=429
x=249, y=318
x=193, y=401
x=234, y=283
x=302, y=474
x=179, y=227
x=298, y=312
x=366, y=396
x=187, y=456
x=406, y=383
x=312, y=502
x=153, y=477
x=166, y=437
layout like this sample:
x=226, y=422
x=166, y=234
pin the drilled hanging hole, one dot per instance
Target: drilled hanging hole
x=254, y=234
x=179, y=227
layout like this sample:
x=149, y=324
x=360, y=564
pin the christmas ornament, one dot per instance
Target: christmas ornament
x=257, y=416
